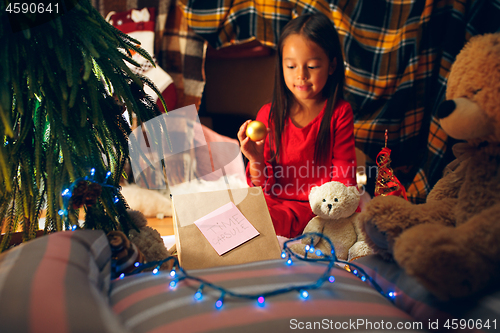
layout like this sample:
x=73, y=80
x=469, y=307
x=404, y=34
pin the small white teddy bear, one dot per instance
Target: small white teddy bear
x=335, y=206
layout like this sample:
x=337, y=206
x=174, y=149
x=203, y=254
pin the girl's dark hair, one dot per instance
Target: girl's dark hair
x=319, y=29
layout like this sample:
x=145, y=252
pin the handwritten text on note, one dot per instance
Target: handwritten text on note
x=226, y=228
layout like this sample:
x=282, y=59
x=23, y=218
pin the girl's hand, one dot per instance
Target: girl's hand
x=254, y=151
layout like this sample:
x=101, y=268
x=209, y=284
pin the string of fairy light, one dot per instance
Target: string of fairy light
x=179, y=274
x=67, y=194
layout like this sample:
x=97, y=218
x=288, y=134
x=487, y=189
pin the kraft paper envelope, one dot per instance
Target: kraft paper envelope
x=193, y=248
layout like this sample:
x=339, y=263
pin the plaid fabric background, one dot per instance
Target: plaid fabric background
x=398, y=54
x=226, y=22
x=179, y=51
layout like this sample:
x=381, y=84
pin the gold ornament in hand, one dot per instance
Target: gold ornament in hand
x=256, y=130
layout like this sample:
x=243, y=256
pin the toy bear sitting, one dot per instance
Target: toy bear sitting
x=335, y=206
x=451, y=243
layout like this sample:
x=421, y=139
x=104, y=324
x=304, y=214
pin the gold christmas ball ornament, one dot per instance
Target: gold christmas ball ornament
x=256, y=130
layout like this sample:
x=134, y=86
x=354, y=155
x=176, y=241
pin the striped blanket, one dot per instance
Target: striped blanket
x=398, y=55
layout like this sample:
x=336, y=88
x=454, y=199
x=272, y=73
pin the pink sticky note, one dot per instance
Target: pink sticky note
x=226, y=228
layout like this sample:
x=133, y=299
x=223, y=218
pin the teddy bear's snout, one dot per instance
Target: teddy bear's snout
x=330, y=206
x=446, y=108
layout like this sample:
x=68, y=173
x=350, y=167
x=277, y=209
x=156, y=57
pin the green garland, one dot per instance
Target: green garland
x=58, y=118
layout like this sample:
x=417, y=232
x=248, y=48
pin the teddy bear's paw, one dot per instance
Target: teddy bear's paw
x=378, y=239
x=358, y=250
x=384, y=219
x=298, y=249
x=437, y=257
x=389, y=214
x=311, y=239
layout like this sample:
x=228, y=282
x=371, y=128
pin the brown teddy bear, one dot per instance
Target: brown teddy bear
x=124, y=254
x=143, y=246
x=451, y=244
x=147, y=240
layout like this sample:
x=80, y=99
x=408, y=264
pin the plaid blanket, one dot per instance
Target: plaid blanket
x=398, y=54
x=179, y=51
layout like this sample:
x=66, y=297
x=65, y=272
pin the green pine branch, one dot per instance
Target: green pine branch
x=62, y=84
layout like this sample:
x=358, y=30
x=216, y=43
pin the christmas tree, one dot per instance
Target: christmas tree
x=64, y=85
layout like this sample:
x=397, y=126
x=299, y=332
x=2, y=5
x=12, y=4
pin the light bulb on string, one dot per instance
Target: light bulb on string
x=261, y=301
x=220, y=302
x=198, y=295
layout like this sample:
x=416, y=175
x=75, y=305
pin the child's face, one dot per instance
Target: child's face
x=306, y=68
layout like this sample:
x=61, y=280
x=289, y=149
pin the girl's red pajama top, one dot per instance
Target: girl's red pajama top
x=288, y=182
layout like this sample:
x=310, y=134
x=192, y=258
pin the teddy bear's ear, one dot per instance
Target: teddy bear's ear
x=313, y=189
x=354, y=190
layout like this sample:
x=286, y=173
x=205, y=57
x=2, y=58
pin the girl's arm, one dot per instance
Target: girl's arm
x=344, y=154
x=256, y=170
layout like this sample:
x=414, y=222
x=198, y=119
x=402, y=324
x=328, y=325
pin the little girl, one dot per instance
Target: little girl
x=310, y=137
